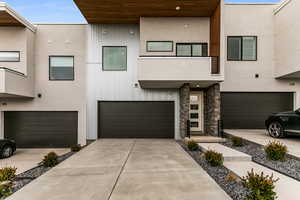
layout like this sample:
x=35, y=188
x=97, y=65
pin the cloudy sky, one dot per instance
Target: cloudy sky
x=62, y=10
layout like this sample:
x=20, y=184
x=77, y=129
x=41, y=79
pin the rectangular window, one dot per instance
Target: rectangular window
x=194, y=115
x=159, y=46
x=9, y=56
x=114, y=58
x=61, y=68
x=192, y=49
x=242, y=48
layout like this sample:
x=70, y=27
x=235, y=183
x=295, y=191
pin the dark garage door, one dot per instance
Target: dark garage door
x=250, y=110
x=41, y=129
x=136, y=120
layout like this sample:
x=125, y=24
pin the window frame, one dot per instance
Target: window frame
x=241, y=50
x=164, y=41
x=19, y=53
x=64, y=56
x=114, y=70
x=191, y=44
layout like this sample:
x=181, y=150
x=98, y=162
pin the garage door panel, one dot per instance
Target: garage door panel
x=136, y=120
x=41, y=129
x=249, y=110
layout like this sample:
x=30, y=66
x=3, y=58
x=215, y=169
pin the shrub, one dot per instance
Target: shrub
x=5, y=190
x=76, y=148
x=192, y=145
x=50, y=160
x=214, y=158
x=7, y=173
x=237, y=141
x=276, y=151
x=261, y=187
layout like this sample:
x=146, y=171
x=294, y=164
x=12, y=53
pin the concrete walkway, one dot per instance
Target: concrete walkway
x=262, y=137
x=125, y=170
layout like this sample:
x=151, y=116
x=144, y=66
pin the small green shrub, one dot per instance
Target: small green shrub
x=5, y=190
x=50, y=160
x=7, y=173
x=76, y=148
x=276, y=151
x=237, y=141
x=214, y=158
x=261, y=187
x=192, y=145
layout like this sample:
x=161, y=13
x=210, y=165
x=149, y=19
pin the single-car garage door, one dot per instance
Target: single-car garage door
x=41, y=129
x=250, y=110
x=136, y=119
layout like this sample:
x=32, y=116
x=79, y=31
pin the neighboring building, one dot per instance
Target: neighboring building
x=143, y=70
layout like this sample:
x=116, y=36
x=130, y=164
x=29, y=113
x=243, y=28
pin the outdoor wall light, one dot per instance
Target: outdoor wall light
x=178, y=8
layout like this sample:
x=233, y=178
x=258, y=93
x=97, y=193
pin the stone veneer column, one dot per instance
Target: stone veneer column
x=184, y=108
x=212, y=109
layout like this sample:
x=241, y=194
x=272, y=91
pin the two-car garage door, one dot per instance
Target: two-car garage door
x=41, y=129
x=249, y=110
x=132, y=119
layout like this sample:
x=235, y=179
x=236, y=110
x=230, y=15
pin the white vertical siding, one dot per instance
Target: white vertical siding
x=115, y=85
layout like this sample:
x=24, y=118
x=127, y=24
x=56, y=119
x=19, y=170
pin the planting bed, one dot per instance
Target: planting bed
x=290, y=167
x=234, y=188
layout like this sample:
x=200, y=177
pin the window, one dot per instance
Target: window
x=61, y=68
x=9, y=56
x=242, y=48
x=159, y=46
x=192, y=49
x=114, y=58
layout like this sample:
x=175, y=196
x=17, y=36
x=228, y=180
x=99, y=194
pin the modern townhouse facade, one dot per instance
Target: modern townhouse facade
x=141, y=70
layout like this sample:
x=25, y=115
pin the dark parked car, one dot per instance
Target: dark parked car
x=8, y=147
x=279, y=124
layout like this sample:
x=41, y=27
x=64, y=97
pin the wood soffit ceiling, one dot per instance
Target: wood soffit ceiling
x=7, y=20
x=130, y=11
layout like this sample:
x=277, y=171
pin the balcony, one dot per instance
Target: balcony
x=15, y=84
x=173, y=72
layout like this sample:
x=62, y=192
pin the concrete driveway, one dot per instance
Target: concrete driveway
x=125, y=169
x=262, y=137
x=25, y=159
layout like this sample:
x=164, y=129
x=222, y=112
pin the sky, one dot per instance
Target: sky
x=63, y=11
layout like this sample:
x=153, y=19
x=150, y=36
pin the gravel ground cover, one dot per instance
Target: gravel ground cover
x=26, y=177
x=290, y=167
x=233, y=187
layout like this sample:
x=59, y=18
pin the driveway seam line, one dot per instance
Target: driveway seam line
x=122, y=169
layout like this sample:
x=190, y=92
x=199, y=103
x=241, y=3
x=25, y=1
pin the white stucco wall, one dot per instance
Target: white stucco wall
x=56, y=95
x=254, y=20
x=287, y=40
x=117, y=85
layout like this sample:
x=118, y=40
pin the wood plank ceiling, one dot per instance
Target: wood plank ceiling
x=130, y=11
x=7, y=20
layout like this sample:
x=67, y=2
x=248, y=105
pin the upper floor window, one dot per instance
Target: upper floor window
x=159, y=46
x=9, y=56
x=61, y=68
x=242, y=48
x=192, y=49
x=114, y=58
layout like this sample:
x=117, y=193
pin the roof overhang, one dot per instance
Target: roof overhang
x=130, y=11
x=9, y=17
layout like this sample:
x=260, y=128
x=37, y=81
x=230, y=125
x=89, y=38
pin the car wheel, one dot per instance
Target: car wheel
x=7, y=151
x=276, y=130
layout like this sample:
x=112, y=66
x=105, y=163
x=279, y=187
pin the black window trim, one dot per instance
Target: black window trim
x=51, y=56
x=114, y=70
x=19, y=53
x=164, y=41
x=191, y=44
x=241, y=51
